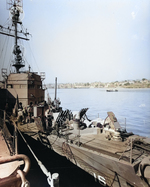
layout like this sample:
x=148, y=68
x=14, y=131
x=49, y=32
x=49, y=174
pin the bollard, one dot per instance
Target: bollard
x=55, y=178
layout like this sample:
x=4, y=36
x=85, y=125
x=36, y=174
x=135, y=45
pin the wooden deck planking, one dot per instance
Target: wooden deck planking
x=28, y=128
x=93, y=140
x=99, y=141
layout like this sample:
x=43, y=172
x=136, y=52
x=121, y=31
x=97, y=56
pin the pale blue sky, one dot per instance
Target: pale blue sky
x=87, y=40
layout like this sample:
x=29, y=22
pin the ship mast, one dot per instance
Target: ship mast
x=15, y=8
x=15, y=11
x=17, y=52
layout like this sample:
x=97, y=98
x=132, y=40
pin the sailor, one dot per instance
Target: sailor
x=20, y=115
x=43, y=119
x=47, y=112
x=49, y=118
x=30, y=112
x=25, y=114
x=20, y=106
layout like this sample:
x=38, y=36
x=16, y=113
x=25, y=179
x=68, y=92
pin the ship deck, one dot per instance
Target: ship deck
x=7, y=167
x=90, y=139
x=3, y=146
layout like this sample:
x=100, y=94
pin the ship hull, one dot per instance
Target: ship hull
x=109, y=171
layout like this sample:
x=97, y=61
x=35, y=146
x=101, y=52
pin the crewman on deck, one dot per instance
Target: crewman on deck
x=30, y=112
x=25, y=114
x=20, y=115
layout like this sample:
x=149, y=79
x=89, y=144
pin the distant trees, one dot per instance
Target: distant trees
x=87, y=84
x=144, y=79
x=127, y=84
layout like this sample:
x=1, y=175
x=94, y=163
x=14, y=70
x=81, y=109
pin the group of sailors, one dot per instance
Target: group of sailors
x=25, y=114
x=62, y=119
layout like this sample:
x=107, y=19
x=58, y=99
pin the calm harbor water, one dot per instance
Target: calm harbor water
x=132, y=104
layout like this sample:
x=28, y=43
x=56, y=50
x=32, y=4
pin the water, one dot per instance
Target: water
x=132, y=104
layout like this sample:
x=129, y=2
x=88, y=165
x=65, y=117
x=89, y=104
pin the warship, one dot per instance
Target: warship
x=15, y=87
x=100, y=147
x=113, y=156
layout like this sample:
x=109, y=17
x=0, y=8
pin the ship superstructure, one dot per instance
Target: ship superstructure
x=24, y=85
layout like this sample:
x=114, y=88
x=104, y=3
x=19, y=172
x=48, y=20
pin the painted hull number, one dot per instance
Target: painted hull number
x=101, y=179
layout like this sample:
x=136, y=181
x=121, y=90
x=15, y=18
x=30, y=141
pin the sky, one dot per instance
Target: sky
x=84, y=40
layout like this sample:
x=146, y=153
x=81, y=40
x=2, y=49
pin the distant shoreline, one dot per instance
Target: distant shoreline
x=104, y=88
x=144, y=83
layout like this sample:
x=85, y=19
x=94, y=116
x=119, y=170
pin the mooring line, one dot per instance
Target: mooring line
x=43, y=168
